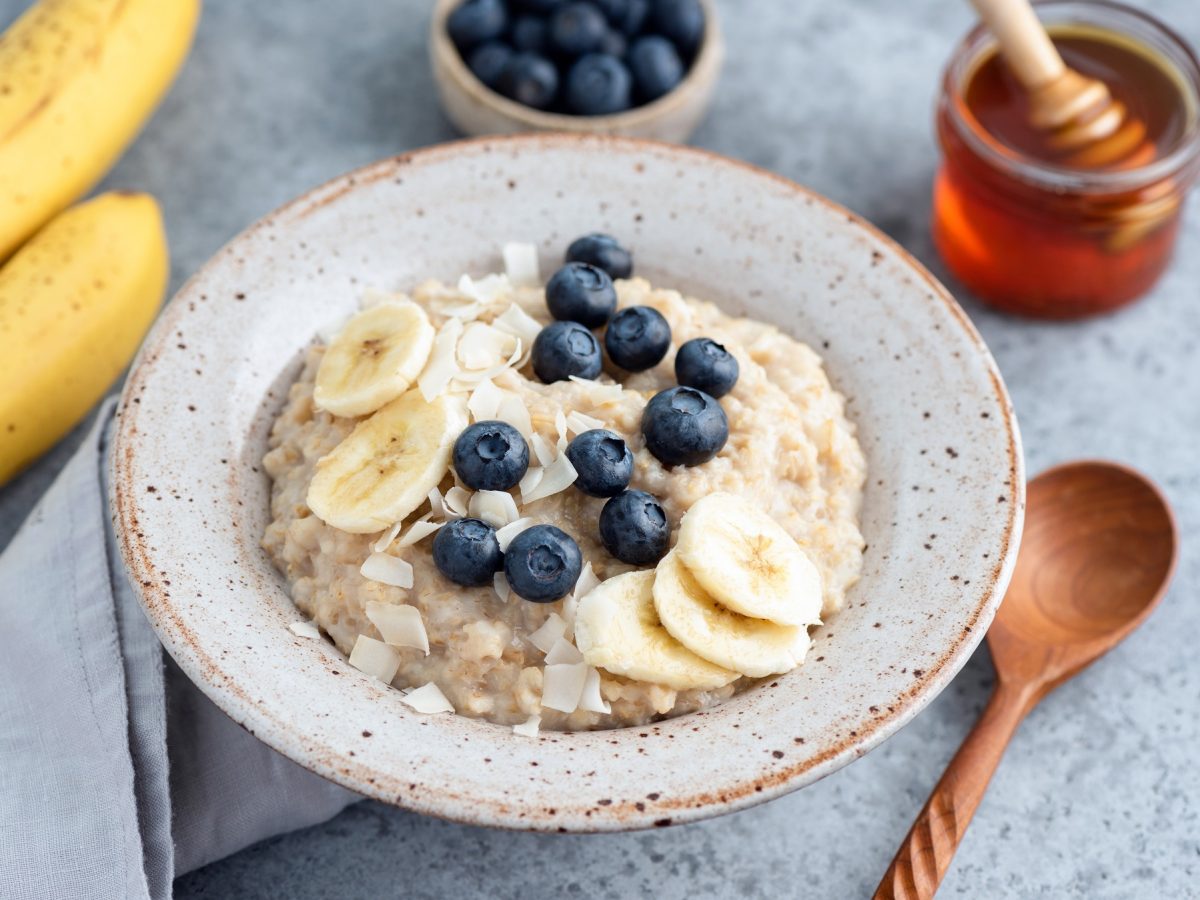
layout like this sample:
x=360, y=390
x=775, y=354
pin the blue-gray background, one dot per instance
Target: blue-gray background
x=1099, y=796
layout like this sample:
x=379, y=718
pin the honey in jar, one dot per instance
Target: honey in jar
x=1037, y=231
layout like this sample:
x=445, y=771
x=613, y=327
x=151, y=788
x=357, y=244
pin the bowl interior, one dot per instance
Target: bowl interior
x=942, y=510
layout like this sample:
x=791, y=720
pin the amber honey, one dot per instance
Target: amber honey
x=1027, y=228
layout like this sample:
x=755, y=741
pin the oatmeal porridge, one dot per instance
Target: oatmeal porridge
x=477, y=504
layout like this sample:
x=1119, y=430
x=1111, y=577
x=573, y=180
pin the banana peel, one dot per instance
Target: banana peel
x=78, y=78
x=75, y=303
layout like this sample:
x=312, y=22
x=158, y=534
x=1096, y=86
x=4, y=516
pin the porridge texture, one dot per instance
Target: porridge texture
x=791, y=452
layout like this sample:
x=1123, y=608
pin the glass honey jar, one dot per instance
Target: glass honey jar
x=1032, y=234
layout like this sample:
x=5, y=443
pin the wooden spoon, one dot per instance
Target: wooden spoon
x=1097, y=556
x=1082, y=118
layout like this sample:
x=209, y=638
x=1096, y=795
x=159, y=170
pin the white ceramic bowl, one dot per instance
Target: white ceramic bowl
x=942, y=515
x=473, y=108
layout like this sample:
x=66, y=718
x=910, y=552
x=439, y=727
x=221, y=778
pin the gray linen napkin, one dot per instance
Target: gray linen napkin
x=116, y=772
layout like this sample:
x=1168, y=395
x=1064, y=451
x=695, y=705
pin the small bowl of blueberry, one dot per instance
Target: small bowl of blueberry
x=641, y=68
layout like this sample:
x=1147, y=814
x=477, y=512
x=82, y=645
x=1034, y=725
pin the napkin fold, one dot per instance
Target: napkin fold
x=116, y=772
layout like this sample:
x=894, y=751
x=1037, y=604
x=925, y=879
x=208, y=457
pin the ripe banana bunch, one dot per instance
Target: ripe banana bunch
x=735, y=597
x=79, y=78
x=75, y=302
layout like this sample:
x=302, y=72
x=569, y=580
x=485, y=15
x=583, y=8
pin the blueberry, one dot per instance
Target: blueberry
x=491, y=456
x=581, y=293
x=488, y=60
x=476, y=21
x=529, y=79
x=614, y=10
x=656, y=67
x=529, y=34
x=466, y=551
x=704, y=364
x=634, y=529
x=602, y=462
x=614, y=43
x=563, y=349
x=576, y=29
x=542, y=563
x=637, y=338
x=598, y=85
x=540, y=7
x=603, y=252
x=684, y=427
x=680, y=21
x=634, y=17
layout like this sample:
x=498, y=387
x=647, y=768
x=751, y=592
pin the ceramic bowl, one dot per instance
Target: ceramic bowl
x=476, y=110
x=942, y=511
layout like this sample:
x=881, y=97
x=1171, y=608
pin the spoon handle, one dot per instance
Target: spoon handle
x=923, y=858
x=1023, y=40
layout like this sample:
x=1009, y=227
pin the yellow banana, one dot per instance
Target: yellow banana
x=75, y=302
x=77, y=80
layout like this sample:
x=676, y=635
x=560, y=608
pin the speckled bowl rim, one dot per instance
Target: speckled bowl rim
x=709, y=800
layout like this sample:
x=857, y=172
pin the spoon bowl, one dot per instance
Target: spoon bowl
x=1098, y=552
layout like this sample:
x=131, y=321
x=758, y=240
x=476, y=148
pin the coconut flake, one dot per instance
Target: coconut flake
x=600, y=393
x=556, y=477
x=569, y=608
x=563, y=653
x=497, y=508
x=562, y=686
x=578, y=423
x=560, y=424
x=437, y=505
x=542, y=450
x=512, y=409
x=591, y=700
x=485, y=290
x=484, y=402
x=521, y=264
x=419, y=530
x=388, y=569
x=443, y=361
x=375, y=658
x=530, y=480
x=428, y=699
x=519, y=323
x=305, y=630
x=586, y=582
x=528, y=728
x=465, y=380
x=388, y=536
x=505, y=535
x=551, y=631
x=500, y=586
x=458, y=501
x=401, y=625
x=482, y=346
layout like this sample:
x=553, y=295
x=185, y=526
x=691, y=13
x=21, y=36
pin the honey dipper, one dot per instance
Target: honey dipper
x=1081, y=118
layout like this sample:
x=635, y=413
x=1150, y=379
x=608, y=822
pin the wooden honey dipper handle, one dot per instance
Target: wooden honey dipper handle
x=1023, y=41
x=923, y=858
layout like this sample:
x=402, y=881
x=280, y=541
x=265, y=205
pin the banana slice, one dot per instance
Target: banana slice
x=617, y=629
x=374, y=359
x=386, y=467
x=753, y=647
x=746, y=562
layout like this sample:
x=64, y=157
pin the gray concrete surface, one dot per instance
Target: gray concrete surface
x=1099, y=796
